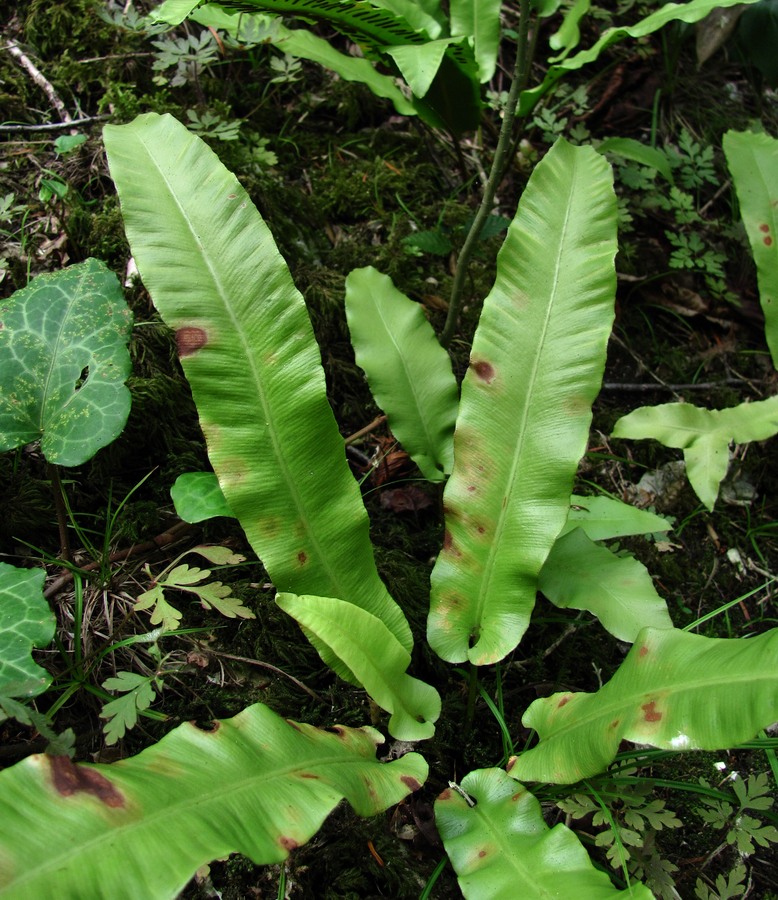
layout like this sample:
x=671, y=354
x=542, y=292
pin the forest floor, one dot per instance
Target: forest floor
x=344, y=182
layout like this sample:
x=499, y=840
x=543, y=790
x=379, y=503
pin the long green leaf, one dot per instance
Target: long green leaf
x=535, y=369
x=408, y=371
x=480, y=20
x=140, y=828
x=63, y=363
x=305, y=45
x=579, y=574
x=248, y=350
x=670, y=12
x=703, y=435
x=502, y=847
x=26, y=621
x=675, y=690
x=753, y=162
x=369, y=650
x=602, y=518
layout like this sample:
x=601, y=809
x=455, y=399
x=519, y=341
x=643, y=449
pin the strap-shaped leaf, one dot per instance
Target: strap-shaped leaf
x=256, y=784
x=580, y=574
x=248, y=350
x=306, y=45
x=408, y=371
x=753, y=162
x=479, y=19
x=689, y=12
x=535, y=369
x=602, y=518
x=63, y=363
x=703, y=435
x=502, y=847
x=675, y=690
x=369, y=650
x=26, y=621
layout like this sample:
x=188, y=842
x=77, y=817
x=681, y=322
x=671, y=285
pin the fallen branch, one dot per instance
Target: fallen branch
x=37, y=76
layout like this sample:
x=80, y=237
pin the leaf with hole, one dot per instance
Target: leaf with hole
x=63, y=343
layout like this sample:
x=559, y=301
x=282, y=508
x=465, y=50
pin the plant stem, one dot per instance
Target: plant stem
x=62, y=516
x=499, y=164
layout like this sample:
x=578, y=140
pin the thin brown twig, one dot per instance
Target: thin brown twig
x=351, y=439
x=270, y=667
x=39, y=78
x=173, y=534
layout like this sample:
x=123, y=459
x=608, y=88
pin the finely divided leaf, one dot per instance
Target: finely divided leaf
x=535, y=369
x=753, y=162
x=703, y=435
x=675, y=690
x=248, y=350
x=501, y=847
x=408, y=371
x=63, y=342
x=255, y=784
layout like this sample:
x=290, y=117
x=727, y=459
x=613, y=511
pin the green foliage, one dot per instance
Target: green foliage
x=182, y=577
x=743, y=830
x=197, y=496
x=122, y=714
x=495, y=836
x=64, y=345
x=25, y=622
x=261, y=786
x=703, y=435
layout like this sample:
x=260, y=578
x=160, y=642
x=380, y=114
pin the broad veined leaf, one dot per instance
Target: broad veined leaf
x=197, y=497
x=602, y=518
x=580, y=574
x=256, y=784
x=63, y=346
x=500, y=846
x=419, y=63
x=703, y=435
x=480, y=20
x=669, y=12
x=248, y=351
x=535, y=368
x=173, y=11
x=306, y=45
x=375, y=657
x=753, y=162
x=675, y=690
x=408, y=371
x=26, y=621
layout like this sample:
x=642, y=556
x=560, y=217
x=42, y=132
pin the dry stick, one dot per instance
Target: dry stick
x=272, y=668
x=499, y=164
x=55, y=126
x=379, y=420
x=173, y=534
x=40, y=80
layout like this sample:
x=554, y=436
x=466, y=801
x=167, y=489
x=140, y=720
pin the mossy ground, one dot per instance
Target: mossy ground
x=351, y=183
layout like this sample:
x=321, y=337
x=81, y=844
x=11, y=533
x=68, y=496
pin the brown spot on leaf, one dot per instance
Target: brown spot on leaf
x=471, y=488
x=445, y=795
x=481, y=854
x=447, y=541
x=288, y=843
x=511, y=763
x=190, y=339
x=70, y=778
x=764, y=227
x=643, y=650
x=481, y=529
x=302, y=557
x=651, y=714
x=615, y=723
x=410, y=782
x=563, y=702
x=768, y=241
x=308, y=775
x=294, y=725
x=518, y=795
x=483, y=370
